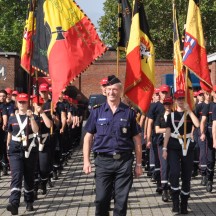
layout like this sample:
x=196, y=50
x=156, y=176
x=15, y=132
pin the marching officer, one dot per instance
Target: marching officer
x=116, y=133
x=22, y=154
x=180, y=160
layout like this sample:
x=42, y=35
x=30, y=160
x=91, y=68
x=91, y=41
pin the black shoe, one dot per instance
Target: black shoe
x=175, y=208
x=159, y=190
x=165, y=196
x=149, y=174
x=13, y=209
x=5, y=171
x=209, y=186
x=35, y=195
x=184, y=208
x=195, y=173
x=204, y=181
x=50, y=183
x=55, y=175
x=29, y=207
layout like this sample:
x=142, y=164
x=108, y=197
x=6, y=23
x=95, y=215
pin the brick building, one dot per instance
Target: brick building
x=11, y=75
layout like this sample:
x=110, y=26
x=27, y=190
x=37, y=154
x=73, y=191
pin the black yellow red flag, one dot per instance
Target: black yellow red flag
x=126, y=17
x=27, y=45
x=74, y=43
x=140, y=74
x=195, y=56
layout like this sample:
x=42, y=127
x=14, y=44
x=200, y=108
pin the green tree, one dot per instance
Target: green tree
x=159, y=15
x=12, y=21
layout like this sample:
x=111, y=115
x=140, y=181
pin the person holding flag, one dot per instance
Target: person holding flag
x=180, y=162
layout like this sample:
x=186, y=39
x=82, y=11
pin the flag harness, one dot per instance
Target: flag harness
x=177, y=135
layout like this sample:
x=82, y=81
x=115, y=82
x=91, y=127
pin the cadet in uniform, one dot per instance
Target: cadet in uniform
x=3, y=126
x=207, y=121
x=180, y=160
x=160, y=130
x=22, y=154
x=116, y=133
x=44, y=117
x=154, y=111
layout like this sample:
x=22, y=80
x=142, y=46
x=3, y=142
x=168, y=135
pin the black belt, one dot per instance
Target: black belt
x=115, y=156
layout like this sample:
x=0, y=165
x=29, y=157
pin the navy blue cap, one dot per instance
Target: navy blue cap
x=112, y=80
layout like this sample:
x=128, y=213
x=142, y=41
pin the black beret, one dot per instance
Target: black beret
x=112, y=80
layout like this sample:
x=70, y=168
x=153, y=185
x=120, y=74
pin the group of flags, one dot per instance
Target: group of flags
x=61, y=40
x=191, y=56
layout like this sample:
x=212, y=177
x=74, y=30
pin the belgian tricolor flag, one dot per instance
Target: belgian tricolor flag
x=140, y=75
x=27, y=45
x=74, y=43
x=195, y=57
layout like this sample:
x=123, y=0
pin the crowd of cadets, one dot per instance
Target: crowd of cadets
x=50, y=145
x=164, y=156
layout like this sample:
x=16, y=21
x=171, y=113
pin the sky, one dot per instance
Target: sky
x=92, y=8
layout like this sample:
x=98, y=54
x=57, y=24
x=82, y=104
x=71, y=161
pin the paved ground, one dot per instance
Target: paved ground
x=73, y=194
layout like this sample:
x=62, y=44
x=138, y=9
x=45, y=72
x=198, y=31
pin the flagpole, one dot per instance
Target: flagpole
x=118, y=38
x=185, y=112
x=30, y=77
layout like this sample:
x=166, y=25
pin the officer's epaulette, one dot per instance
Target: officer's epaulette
x=96, y=106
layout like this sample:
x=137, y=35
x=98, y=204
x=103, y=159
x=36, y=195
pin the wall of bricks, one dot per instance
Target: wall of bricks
x=88, y=82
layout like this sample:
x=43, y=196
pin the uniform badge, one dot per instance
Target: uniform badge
x=124, y=130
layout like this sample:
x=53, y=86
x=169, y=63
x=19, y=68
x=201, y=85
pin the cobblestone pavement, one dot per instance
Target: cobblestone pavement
x=73, y=194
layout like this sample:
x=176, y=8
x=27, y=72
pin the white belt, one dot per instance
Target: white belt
x=44, y=136
x=180, y=139
x=178, y=136
x=23, y=138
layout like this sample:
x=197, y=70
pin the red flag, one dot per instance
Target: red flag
x=140, y=79
x=195, y=57
x=74, y=43
x=27, y=45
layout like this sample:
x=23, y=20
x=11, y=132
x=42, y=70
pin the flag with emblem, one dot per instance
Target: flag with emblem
x=27, y=45
x=195, y=56
x=74, y=43
x=180, y=74
x=140, y=61
x=124, y=31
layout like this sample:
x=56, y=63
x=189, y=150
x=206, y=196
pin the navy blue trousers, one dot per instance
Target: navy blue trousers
x=22, y=167
x=111, y=172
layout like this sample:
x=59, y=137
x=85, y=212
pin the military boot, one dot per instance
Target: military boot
x=175, y=200
x=165, y=196
x=12, y=208
x=184, y=204
x=29, y=207
x=204, y=181
x=209, y=186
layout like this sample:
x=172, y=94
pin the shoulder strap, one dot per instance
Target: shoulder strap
x=21, y=125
